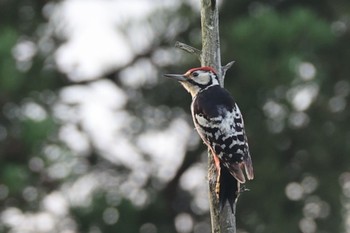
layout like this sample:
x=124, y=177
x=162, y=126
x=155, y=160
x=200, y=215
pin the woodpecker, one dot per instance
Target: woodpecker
x=220, y=125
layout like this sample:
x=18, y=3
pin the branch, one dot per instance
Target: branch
x=189, y=49
x=224, y=221
x=210, y=36
x=225, y=68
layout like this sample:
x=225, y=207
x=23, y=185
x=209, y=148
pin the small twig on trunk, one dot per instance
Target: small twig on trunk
x=189, y=49
x=224, y=69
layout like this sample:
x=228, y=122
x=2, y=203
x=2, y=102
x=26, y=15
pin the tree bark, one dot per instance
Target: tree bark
x=224, y=221
x=210, y=36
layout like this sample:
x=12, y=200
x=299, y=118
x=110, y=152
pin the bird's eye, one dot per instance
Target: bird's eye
x=195, y=74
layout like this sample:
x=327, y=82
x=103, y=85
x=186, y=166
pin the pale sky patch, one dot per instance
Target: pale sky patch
x=95, y=34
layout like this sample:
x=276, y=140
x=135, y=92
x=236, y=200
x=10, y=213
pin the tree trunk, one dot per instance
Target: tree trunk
x=224, y=221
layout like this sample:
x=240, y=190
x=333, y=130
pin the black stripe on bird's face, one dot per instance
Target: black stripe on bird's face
x=201, y=86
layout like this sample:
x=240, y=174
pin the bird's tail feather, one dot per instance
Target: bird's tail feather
x=229, y=189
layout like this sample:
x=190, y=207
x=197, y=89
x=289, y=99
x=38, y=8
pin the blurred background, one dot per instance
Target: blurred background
x=94, y=140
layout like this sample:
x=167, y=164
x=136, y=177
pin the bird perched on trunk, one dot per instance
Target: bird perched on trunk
x=219, y=123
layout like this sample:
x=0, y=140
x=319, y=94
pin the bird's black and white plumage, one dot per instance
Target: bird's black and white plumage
x=219, y=123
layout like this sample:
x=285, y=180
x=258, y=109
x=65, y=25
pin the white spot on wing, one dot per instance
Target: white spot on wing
x=201, y=120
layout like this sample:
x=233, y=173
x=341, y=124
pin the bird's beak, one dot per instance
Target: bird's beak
x=178, y=77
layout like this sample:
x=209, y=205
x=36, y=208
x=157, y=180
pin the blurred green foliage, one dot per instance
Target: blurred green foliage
x=9, y=74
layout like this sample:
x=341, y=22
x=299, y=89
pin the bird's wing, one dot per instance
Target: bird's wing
x=220, y=124
x=229, y=142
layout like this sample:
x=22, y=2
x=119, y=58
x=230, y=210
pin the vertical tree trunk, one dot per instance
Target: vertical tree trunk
x=210, y=36
x=225, y=221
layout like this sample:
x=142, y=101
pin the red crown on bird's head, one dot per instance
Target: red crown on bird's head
x=204, y=68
